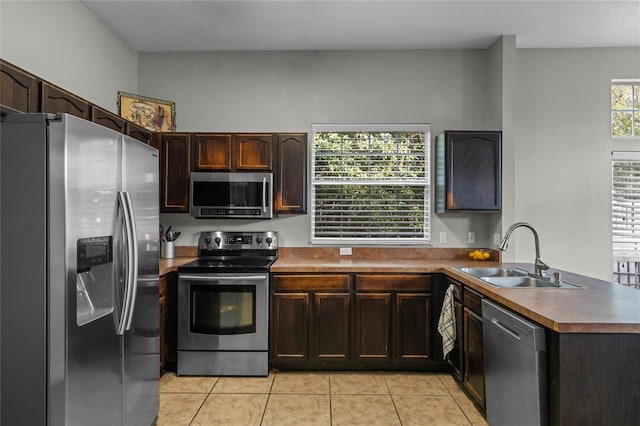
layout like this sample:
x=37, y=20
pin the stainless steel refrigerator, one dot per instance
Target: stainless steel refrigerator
x=79, y=274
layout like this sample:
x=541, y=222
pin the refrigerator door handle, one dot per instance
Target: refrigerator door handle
x=131, y=265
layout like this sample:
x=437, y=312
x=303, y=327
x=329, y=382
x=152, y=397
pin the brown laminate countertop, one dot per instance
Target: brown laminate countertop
x=171, y=265
x=599, y=307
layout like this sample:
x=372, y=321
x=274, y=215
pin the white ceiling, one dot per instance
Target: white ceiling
x=183, y=25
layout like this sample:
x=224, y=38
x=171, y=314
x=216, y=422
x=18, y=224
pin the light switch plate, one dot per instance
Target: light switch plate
x=443, y=237
x=471, y=237
x=496, y=239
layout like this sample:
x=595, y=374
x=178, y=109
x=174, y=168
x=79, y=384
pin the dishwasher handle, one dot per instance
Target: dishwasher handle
x=527, y=332
x=496, y=322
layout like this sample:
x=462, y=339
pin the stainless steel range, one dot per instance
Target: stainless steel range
x=223, y=305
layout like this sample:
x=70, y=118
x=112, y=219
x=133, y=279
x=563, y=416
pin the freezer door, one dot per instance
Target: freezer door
x=85, y=362
x=141, y=340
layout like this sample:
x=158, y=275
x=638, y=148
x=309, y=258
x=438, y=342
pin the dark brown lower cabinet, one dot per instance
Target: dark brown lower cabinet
x=373, y=329
x=330, y=314
x=473, y=377
x=168, y=304
x=352, y=321
x=290, y=325
x=455, y=358
x=393, y=321
x=412, y=327
x=310, y=321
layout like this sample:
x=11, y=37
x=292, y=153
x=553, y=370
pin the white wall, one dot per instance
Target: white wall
x=289, y=91
x=553, y=105
x=563, y=153
x=65, y=43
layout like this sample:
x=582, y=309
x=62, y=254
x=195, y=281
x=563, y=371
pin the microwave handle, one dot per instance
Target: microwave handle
x=264, y=194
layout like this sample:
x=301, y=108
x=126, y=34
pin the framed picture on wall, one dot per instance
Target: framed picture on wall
x=152, y=114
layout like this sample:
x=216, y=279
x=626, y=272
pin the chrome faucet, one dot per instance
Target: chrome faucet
x=539, y=264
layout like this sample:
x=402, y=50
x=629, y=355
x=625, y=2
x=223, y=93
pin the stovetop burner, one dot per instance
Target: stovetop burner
x=225, y=263
x=234, y=252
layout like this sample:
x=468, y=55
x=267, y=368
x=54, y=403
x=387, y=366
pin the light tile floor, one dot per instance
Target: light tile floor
x=301, y=398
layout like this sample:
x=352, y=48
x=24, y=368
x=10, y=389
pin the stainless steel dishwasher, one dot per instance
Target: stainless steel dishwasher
x=515, y=367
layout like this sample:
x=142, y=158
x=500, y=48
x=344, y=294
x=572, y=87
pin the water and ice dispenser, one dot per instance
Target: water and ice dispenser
x=94, y=279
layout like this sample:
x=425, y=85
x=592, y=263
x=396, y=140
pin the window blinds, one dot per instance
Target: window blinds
x=625, y=205
x=370, y=183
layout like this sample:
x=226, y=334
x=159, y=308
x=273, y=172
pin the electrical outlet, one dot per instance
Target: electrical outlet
x=496, y=239
x=471, y=237
x=443, y=237
x=345, y=251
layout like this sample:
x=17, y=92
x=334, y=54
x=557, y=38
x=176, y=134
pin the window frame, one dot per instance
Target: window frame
x=427, y=183
x=635, y=112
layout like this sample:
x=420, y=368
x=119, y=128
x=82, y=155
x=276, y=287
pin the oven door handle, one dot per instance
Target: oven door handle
x=223, y=277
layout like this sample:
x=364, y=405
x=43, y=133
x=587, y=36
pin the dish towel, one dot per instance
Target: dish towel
x=447, y=322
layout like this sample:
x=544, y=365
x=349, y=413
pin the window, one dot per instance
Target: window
x=625, y=108
x=370, y=184
x=625, y=216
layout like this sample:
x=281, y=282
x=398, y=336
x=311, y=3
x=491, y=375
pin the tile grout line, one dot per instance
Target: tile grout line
x=393, y=401
x=330, y=402
x=266, y=404
x=204, y=401
x=464, y=413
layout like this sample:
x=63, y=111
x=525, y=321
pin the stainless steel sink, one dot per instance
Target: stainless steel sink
x=493, y=272
x=527, y=282
x=515, y=278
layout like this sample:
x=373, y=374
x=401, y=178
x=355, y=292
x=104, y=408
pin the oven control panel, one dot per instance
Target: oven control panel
x=221, y=240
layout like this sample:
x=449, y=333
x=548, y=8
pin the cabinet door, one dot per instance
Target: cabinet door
x=142, y=134
x=19, y=90
x=291, y=173
x=253, y=152
x=56, y=100
x=108, y=119
x=471, y=166
x=331, y=327
x=473, y=359
x=175, y=171
x=413, y=327
x=290, y=326
x=455, y=357
x=373, y=326
x=212, y=152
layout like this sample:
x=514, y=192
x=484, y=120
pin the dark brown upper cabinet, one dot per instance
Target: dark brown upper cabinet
x=212, y=152
x=469, y=171
x=143, y=135
x=57, y=100
x=175, y=172
x=19, y=90
x=253, y=151
x=291, y=173
x=220, y=152
x=108, y=119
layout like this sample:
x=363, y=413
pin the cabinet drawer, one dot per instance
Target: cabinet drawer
x=322, y=282
x=393, y=283
x=472, y=300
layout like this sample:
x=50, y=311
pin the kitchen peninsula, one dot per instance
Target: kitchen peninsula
x=593, y=333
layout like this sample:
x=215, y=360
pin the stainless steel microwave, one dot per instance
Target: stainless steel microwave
x=231, y=195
